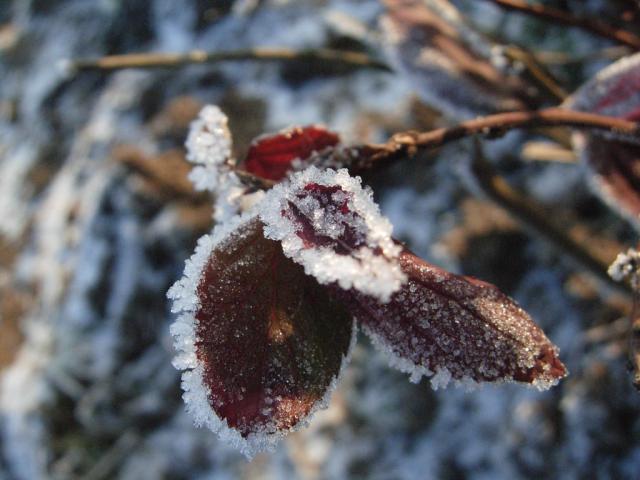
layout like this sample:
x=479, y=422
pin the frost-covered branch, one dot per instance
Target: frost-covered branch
x=564, y=18
x=172, y=60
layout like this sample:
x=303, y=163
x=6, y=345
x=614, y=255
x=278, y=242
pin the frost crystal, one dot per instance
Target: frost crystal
x=261, y=343
x=625, y=266
x=209, y=146
x=330, y=225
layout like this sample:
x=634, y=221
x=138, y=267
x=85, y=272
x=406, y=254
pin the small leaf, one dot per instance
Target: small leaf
x=265, y=342
x=330, y=225
x=456, y=327
x=271, y=156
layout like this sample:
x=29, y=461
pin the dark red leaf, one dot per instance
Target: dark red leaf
x=456, y=327
x=270, y=339
x=616, y=173
x=271, y=156
x=613, y=159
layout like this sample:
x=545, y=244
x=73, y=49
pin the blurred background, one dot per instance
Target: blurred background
x=97, y=217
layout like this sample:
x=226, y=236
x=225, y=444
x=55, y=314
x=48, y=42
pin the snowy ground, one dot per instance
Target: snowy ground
x=97, y=218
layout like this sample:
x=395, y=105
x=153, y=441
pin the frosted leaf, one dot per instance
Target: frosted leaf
x=454, y=327
x=273, y=156
x=614, y=91
x=331, y=226
x=435, y=52
x=613, y=160
x=209, y=146
x=261, y=343
x=614, y=169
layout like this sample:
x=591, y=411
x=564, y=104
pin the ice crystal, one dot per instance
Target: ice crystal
x=625, y=266
x=331, y=226
x=209, y=147
x=209, y=140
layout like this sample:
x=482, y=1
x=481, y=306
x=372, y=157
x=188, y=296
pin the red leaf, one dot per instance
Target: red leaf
x=456, y=327
x=271, y=156
x=613, y=159
x=613, y=91
x=616, y=173
x=269, y=339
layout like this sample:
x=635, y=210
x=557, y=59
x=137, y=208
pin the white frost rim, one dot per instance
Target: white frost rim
x=441, y=377
x=376, y=275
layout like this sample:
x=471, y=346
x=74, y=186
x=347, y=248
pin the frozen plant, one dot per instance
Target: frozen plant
x=270, y=301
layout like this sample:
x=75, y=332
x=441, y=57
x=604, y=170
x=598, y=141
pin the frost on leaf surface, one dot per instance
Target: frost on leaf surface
x=454, y=327
x=209, y=147
x=431, y=52
x=614, y=91
x=273, y=156
x=331, y=226
x=613, y=160
x=261, y=343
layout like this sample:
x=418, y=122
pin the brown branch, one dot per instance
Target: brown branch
x=535, y=218
x=564, y=58
x=173, y=60
x=564, y=18
x=409, y=144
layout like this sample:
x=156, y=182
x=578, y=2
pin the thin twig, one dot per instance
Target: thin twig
x=535, y=218
x=539, y=74
x=564, y=18
x=409, y=144
x=564, y=58
x=172, y=60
